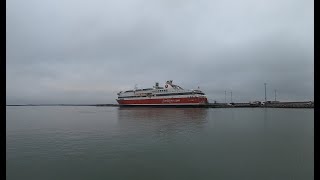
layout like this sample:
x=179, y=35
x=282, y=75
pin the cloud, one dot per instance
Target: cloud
x=85, y=51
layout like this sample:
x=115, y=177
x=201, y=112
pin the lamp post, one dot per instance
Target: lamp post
x=265, y=92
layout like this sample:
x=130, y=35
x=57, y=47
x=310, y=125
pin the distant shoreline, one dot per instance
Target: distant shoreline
x=62, y=105
x=304, y=104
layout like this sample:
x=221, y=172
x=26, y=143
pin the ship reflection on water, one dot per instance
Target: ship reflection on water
x=162, y=121
x=185, y=115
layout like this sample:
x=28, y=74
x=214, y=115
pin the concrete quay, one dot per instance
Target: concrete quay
x=302, y=104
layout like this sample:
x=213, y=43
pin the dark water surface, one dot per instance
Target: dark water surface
x=64, y=143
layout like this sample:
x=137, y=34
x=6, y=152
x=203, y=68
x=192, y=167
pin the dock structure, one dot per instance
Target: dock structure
x=268, y=104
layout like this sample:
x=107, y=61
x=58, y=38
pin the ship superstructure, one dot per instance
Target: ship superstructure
x=170, y=94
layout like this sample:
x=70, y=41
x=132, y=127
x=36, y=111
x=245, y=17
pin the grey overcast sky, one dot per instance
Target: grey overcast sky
x=85, y=51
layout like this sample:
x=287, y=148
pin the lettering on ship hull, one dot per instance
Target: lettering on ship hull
x=170, y=100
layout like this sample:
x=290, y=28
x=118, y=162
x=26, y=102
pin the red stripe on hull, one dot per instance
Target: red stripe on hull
x=168, y=101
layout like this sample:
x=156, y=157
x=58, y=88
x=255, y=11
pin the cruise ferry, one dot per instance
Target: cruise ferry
x=170, y=94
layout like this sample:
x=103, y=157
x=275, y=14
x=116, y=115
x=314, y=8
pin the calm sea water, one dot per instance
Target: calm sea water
x=64, y=143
